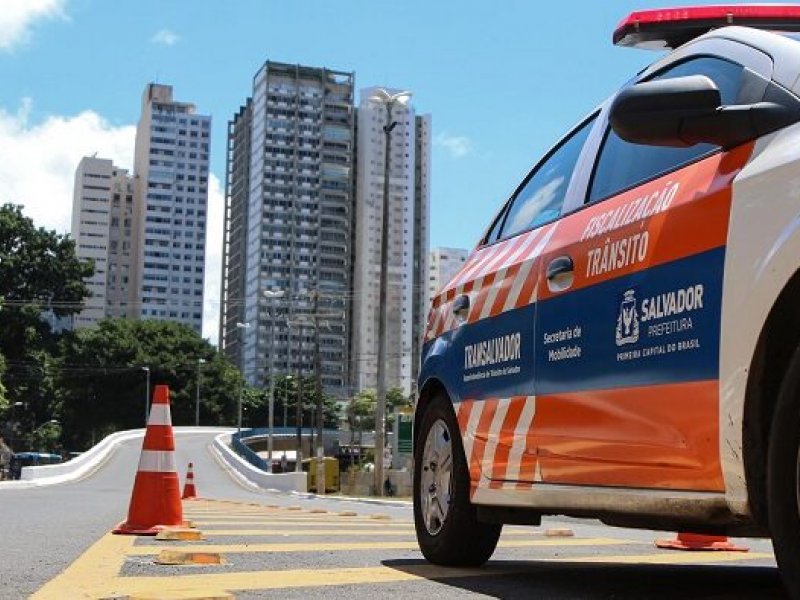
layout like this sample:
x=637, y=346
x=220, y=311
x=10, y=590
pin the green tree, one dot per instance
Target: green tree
x=3, y=396
x=46, y=437
x=103, y=384
x=40, y=275
x=286, y=397
x=361, y=409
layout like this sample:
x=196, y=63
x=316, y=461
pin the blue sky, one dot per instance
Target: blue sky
x=502, y=81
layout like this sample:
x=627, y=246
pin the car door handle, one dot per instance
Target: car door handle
x=461, y=307
x=560, y=273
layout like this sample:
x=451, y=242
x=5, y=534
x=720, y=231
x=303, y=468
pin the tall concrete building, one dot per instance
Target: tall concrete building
x=409, y=178
x=102, y=213
x=171, y=188
x=288, y=223
x=444, y=263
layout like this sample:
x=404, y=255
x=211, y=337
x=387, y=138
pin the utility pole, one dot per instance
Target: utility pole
x=318, y=391
x=299, y=408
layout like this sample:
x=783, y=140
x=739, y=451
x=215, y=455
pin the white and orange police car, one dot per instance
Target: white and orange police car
x=624, y=342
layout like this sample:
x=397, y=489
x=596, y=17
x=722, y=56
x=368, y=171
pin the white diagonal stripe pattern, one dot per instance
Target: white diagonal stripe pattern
x=471, y=429
x=487, y=464
x=520, y=438
x=522, y=276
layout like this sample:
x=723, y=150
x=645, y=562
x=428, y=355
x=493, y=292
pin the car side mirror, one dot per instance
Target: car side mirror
x=685, y=111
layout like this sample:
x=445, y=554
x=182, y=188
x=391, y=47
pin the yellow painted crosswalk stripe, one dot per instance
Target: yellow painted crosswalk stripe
x=378, y=531
x=290, y=517
x=96, y=574
x=667, y=558
x=353, y=546
x=300, y=578
x=307, y=523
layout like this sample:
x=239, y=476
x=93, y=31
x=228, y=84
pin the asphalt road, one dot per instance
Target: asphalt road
x=287, y=547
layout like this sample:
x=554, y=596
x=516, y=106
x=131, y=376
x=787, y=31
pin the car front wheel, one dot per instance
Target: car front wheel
x=448, y=530
x=783, y=479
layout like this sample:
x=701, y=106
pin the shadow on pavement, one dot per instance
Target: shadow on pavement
x=578, y=580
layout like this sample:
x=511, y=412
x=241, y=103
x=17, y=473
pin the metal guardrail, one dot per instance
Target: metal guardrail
x=243, y=450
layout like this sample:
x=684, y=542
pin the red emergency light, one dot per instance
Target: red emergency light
x=668, y=28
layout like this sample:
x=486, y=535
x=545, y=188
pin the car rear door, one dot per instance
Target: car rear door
x=486, y=315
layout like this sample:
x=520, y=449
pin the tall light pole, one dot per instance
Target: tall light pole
x=271, y=295
x=200, y=361
x=389, y=100
x=242, y=327
x=146, y=395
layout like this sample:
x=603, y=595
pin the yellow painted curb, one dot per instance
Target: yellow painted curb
x=184, y=535
x=171, y=557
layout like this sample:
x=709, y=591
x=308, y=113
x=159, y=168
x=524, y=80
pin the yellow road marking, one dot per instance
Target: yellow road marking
x=182, y=585
x=405, y=531
x=99, y=564
x=307, y=523
x=258, y=580
x=345, y=546
x=286, y=516
x=689, y=558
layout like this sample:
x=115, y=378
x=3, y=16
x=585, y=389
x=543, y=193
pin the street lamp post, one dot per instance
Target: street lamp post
x=389, y=100
x=242, y=327
x=200, y=361
x=146, y=395
x=271, y=295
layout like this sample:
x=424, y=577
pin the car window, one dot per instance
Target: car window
x=622, y=165
x=541, y=196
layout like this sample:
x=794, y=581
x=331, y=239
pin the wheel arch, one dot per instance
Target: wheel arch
x=777, y=342
x=430, y=390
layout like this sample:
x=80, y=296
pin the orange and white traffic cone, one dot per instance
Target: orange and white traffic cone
x=189, y=493
x=156, y=498
x=695, y=541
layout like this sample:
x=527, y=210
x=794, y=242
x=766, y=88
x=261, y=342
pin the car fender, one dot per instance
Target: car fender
x=761, y=257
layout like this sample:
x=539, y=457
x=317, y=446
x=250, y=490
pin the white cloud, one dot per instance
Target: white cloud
x=39, y=160
x=38, y=171
x=457, y=145
x=214, y=217
x=165, y=37
x=17, y=18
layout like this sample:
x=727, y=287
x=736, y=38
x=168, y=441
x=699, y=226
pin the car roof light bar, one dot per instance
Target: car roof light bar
x=668, y=28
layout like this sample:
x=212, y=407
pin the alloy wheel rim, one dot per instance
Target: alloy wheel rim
x=436, y=478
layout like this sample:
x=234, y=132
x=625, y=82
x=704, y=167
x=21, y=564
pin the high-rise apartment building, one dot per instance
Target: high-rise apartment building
x=409, y=166
x=171, y=187
x=102, y=213
x=444, y=263
x=288, y=222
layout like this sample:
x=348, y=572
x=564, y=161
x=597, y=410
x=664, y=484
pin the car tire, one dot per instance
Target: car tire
x=783, y=479
x=446, y=522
